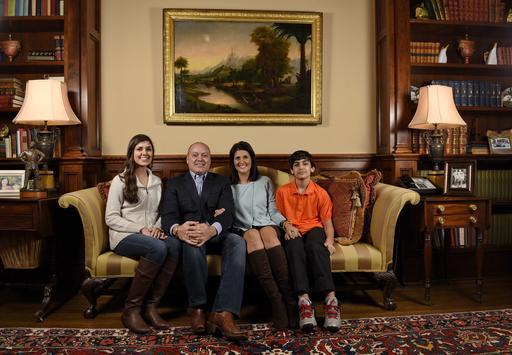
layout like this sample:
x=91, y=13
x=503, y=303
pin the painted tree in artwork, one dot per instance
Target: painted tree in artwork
x=302, y=33
x=272, y=58
x=181, y=63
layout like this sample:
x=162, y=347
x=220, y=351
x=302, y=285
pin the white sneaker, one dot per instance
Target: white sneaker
x=307, y=315
x=332, y=315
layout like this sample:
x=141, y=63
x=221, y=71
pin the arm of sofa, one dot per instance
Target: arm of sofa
x=388, y=204
x=91, y=209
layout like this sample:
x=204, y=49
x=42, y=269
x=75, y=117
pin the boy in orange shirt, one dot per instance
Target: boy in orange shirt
x=309, y=240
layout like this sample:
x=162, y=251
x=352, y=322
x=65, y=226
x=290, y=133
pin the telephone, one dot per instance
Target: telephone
x=418, y=184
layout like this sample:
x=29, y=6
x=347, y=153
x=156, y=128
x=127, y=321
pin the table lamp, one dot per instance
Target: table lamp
x=436, y=111
x=46, y=104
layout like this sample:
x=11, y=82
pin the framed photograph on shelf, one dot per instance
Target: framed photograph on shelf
x=242, y=67
x=11, y=182
x=459, y=178
x=500, y=142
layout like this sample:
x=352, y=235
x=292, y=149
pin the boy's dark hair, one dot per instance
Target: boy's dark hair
x=299, y=155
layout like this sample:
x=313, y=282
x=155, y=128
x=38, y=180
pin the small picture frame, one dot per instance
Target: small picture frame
x=500, y=142
x=11, y=182
x=459, y=178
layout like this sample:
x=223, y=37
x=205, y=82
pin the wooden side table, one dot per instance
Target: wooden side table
x=437, y=212
x=29, y=235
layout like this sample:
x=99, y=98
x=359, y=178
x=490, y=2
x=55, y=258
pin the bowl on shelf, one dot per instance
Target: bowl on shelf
x=11, y=47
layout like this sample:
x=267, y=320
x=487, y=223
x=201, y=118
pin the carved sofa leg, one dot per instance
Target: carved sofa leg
x=92, y=288
x=388, y=282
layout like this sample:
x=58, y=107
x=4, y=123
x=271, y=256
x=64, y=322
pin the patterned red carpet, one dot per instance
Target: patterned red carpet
x=475, y=332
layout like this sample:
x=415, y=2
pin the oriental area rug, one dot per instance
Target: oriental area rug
x=458, y=333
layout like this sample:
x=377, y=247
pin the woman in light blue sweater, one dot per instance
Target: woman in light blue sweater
x=134, y=229
x=258, y=220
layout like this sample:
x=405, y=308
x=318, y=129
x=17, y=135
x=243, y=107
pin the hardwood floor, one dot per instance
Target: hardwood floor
x=17, y=306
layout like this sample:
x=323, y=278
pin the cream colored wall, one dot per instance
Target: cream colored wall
x=132, y=89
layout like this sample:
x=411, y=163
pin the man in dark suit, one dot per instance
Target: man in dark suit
x=188, y=212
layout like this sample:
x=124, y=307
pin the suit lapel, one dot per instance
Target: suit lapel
x=206, y=186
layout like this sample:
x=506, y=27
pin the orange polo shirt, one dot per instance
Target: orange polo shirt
x=305, y=211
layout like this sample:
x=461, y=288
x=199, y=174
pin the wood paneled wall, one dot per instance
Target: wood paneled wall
x=328, y=164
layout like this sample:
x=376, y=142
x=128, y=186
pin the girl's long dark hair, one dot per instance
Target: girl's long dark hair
x=253, y=174
x=128, y=174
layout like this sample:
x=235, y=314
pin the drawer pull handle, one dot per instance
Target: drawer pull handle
x=473, y=219
x=440, y=208
x=473, y=207
x=440, y=220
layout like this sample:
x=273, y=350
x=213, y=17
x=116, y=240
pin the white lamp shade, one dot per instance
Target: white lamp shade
x=436, y=109
x=46, y=102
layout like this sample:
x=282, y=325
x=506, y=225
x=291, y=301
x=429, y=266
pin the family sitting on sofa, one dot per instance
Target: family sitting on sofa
x=238, y=217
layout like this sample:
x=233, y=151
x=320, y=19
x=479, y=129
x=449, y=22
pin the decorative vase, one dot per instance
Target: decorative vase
x=10, y=48
x=466, y=48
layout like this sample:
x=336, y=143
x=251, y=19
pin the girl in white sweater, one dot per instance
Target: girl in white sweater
x=134, y=228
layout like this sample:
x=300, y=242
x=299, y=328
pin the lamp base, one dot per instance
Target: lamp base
x=435, y=143
x=47, y=179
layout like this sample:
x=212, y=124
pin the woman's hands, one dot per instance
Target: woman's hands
x=154, y=232
x=291, y=232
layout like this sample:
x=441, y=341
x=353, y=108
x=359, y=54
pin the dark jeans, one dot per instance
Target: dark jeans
x=309, y=258
x=231, y=248
x=138, y=245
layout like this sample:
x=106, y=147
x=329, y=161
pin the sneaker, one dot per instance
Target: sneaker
x=307, y=315
x=332, y=315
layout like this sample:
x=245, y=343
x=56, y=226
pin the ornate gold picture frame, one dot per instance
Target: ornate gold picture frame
x=242, y=67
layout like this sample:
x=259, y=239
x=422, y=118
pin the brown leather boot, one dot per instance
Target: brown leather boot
x=224, y=323
x=144, y=275
x=261, y=267
x=155, y=294
x=278, y=262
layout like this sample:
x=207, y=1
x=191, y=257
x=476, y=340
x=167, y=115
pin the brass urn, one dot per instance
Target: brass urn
x=10, y=48
x=466, y=48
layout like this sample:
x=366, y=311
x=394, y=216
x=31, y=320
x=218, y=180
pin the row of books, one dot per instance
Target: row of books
x=466, y=10
x=424, y=52
x=501, y=229
x=7, y=101
x=12, y=93
x=494, y=184
x=456, y=140
x=504, y=55
x=17, y=142
x=31, y=7
x=54, y=54
x=458, y=237
x=479, y=93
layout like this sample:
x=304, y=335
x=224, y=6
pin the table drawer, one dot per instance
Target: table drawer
x=457, y=220
x=456, y=208
x=16, y=209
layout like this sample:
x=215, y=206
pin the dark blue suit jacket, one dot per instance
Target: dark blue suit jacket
x=181, y=202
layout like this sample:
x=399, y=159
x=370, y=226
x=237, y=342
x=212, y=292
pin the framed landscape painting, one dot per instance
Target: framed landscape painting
x=242, y=67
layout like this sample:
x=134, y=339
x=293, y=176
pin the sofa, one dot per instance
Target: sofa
x=374, y=256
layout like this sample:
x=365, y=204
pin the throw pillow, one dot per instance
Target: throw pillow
x=103, y=188
x=371, y=179
x=348, y=194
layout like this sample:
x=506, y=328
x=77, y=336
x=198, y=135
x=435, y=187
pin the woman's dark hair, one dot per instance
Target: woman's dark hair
x=128, y=173
x=253, y=174
x=299, y=155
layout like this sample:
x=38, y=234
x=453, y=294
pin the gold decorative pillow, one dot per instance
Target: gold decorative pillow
x=348, y=195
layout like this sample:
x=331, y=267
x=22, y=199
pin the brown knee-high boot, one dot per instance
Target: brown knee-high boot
x=277, y=259
x=145, y=273
x=155, y=294
x=261, y=267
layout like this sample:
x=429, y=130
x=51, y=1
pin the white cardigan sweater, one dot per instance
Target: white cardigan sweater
x=124, y=218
